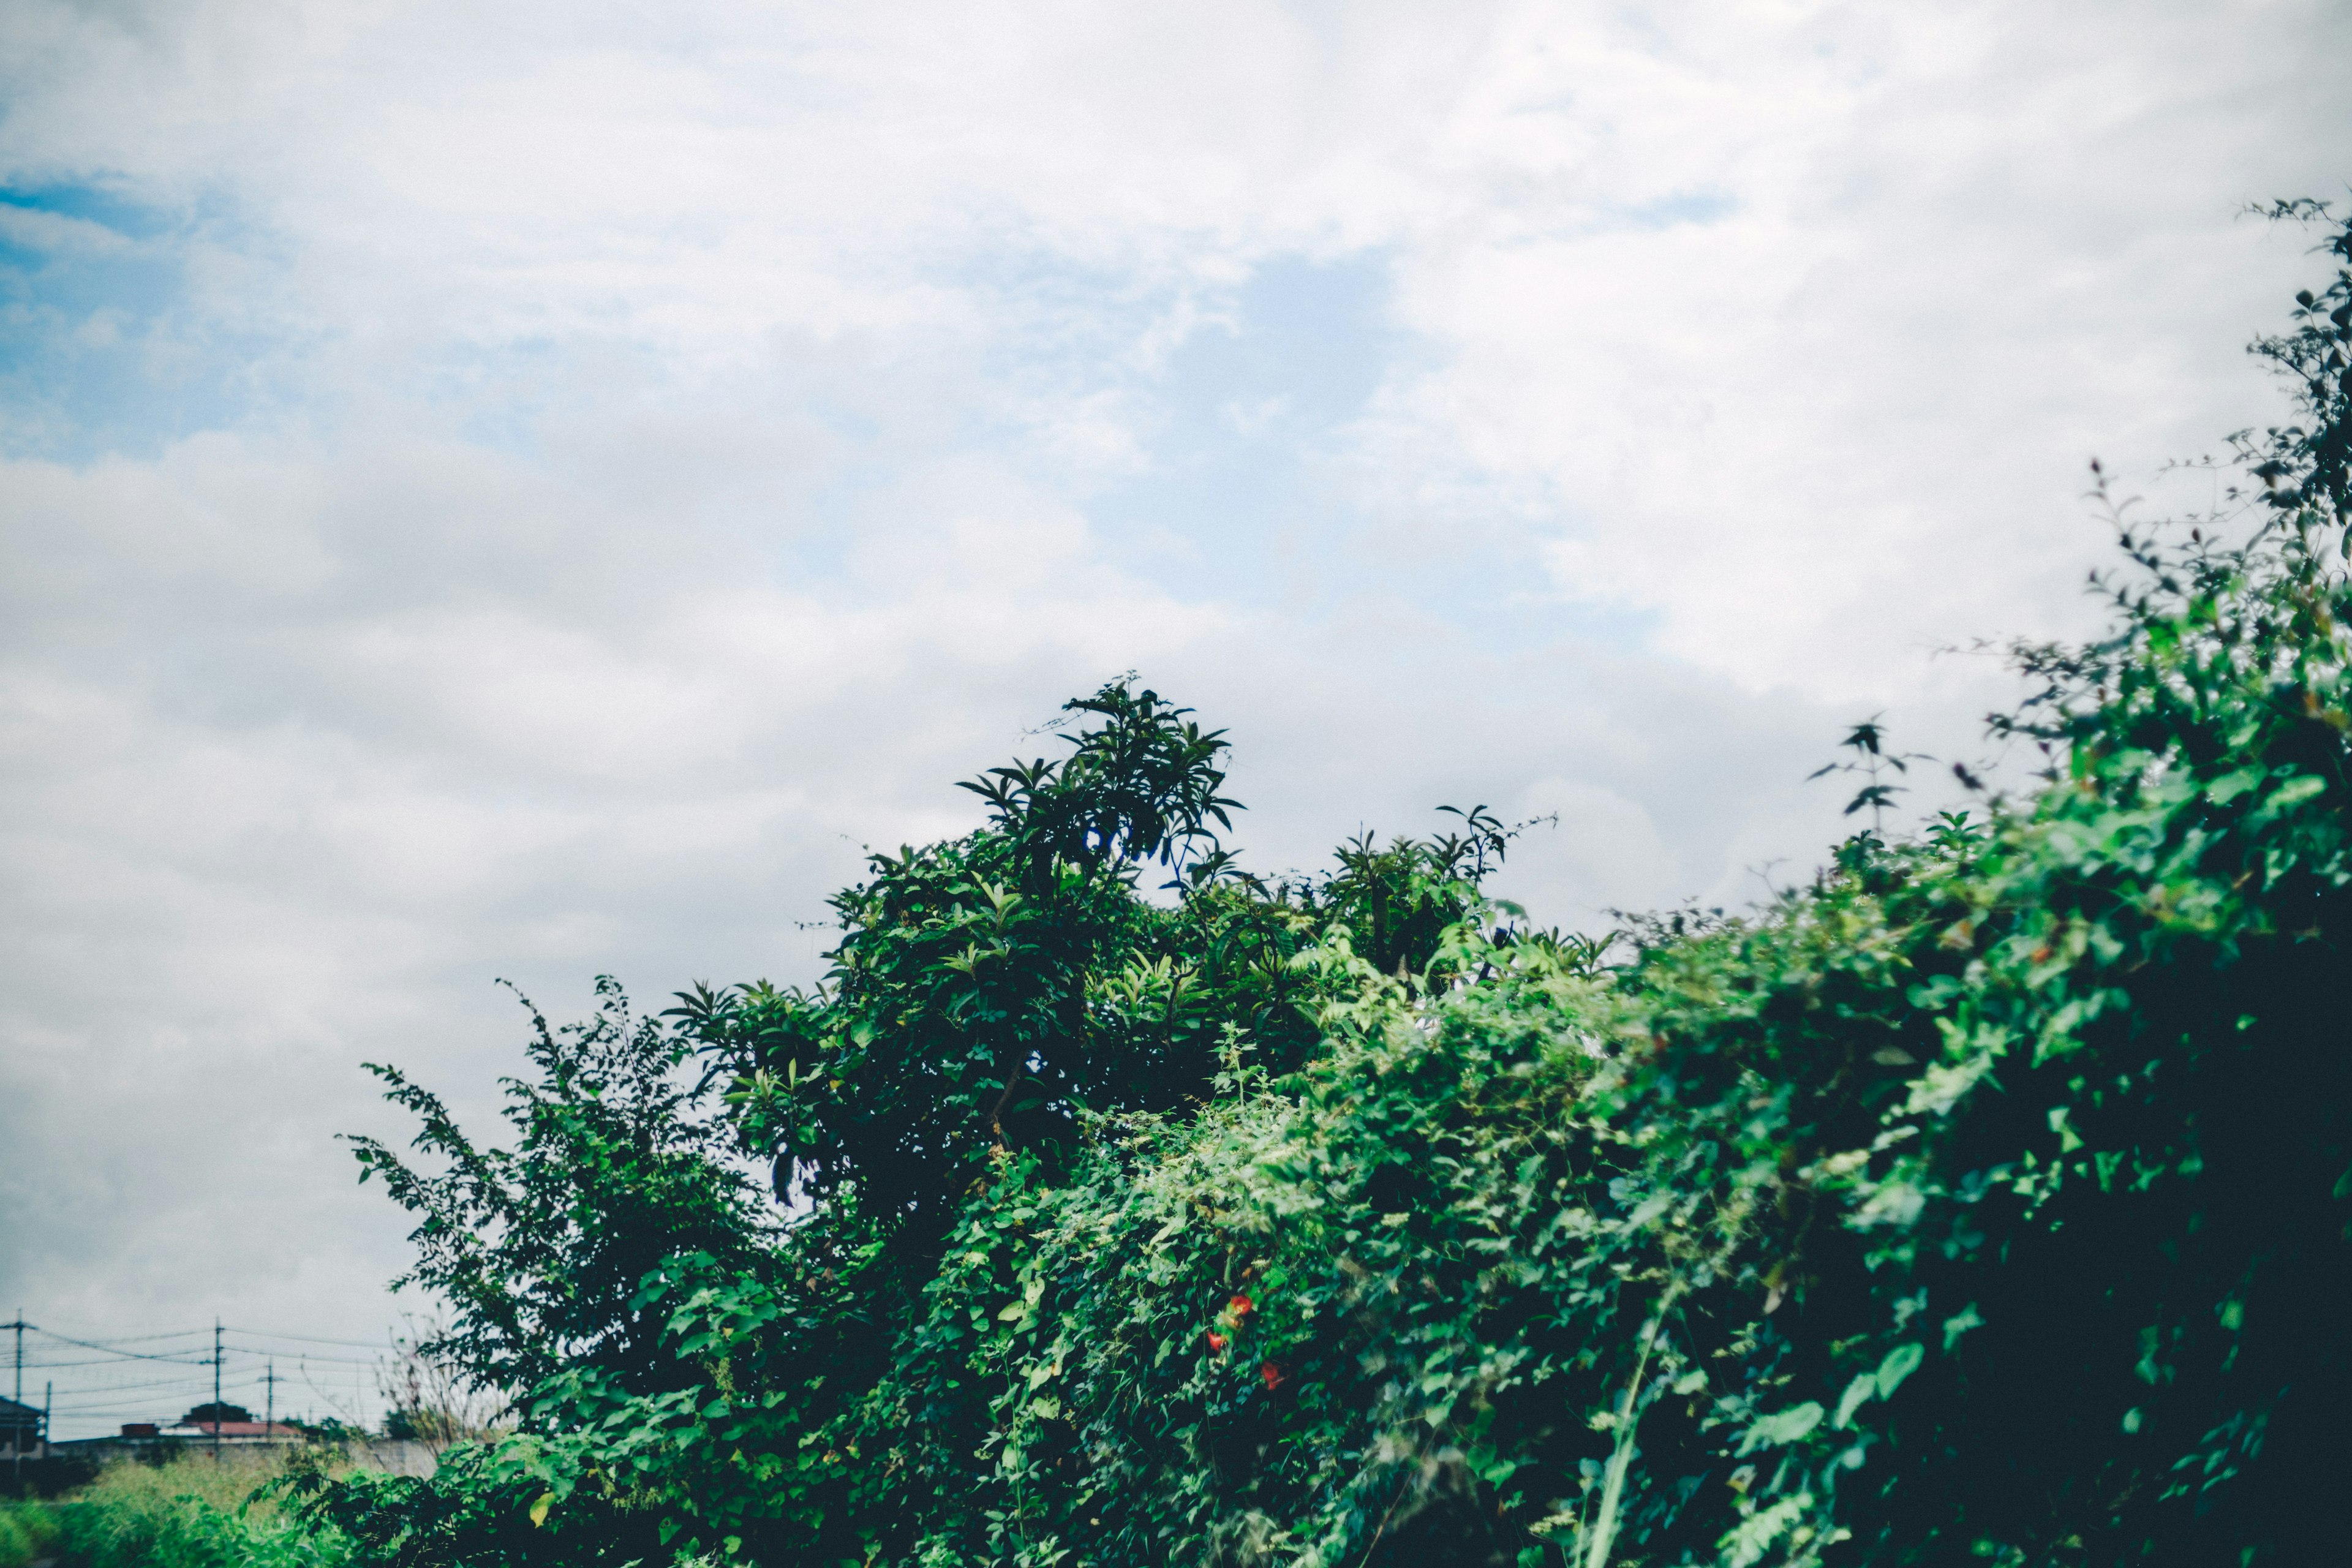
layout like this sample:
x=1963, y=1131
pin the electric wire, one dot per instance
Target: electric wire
x=96, y=1392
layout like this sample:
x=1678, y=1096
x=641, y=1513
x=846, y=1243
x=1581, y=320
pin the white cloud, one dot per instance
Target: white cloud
x=651, y=453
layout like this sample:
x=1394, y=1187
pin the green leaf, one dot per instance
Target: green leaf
x=1861, y=1389
x=2295, y=791
x=2229, y=786
x=1784, y=1427
x=1900, y=1362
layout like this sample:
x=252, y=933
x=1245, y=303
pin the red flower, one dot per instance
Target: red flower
x=1216, y=1342
x=1273, y=1375
x=1241, y=1307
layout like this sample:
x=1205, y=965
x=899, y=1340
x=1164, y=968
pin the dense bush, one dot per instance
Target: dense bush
x=1986, y=1199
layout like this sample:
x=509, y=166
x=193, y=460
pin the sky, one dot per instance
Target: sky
x=537, y=490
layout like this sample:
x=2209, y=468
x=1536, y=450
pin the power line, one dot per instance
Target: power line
x=16, y=1434
x=93, y=1345
x=136, y=1387
x=116, y=1361
x=99, y=1388
x=106, y=1349
x=308, y=1339
x=108, y=1390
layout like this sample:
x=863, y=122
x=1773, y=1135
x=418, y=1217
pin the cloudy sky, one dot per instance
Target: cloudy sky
x=530, y=491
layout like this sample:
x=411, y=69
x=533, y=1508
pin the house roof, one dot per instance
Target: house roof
x=235, y=1428
x=14, y=1413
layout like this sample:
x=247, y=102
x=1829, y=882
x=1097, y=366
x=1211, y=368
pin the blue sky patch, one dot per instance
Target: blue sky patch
x=100, y=347
x=1242, y=423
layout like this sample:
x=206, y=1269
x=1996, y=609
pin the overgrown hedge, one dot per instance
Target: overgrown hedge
x=1984, y=1201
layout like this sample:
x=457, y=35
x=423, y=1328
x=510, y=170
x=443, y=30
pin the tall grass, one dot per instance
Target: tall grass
x=192, y=1513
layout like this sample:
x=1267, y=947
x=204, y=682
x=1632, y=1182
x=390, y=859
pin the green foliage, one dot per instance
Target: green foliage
x=1139, y=786
x=28, y=1533
x=1988, y=1199
x=539, y=1248
x=190, y=1513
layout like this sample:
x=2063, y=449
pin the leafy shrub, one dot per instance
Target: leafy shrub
x=1986, y=1200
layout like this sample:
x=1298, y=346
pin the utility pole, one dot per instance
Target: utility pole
x=48, y=1404
x=16, y=1441
x=216, y=1403
x=269, y=1418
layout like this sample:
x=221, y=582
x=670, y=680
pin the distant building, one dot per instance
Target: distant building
x=226, y=1431
x=20, y=1430
x=168, y=1436
x=161, y=1439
